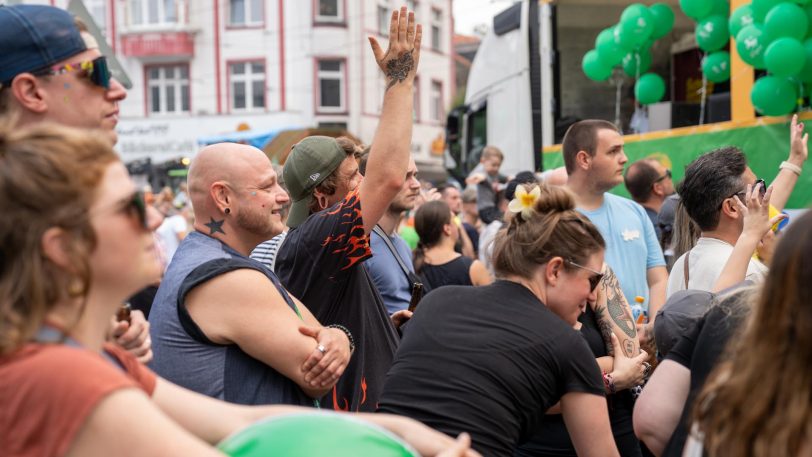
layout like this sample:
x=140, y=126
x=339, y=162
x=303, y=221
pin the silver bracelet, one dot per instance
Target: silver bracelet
x=791, y=167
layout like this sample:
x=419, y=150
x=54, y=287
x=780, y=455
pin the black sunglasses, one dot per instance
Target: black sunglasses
x=96, y=70
x=666, y=175
x=594, y=280
x=137, y=207
x=761, y=190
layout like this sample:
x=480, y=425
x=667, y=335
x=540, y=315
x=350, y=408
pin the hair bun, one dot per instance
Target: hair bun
x=554, y=199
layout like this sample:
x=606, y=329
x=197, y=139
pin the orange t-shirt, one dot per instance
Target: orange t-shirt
x=47, y=392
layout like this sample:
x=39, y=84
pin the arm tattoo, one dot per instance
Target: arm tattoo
x=614, y=303
x=215, y=226
x=605, y=329
x=398, y=69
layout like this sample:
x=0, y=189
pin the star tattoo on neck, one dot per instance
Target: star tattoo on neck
x=215, y=226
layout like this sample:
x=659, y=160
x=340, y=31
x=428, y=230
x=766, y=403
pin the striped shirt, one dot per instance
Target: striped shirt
x=265, y=253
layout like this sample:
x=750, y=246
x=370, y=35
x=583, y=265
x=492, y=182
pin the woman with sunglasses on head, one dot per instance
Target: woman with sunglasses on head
x=435, y=259
x=492, y=360
x=75, y=241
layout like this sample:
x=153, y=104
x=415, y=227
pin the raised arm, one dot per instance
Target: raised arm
x=391, y=146
x=786, y=179
x=244, y=308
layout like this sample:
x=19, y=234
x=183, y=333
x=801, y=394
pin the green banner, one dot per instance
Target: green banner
x=765, y=145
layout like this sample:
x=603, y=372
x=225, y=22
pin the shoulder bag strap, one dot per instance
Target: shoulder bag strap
x=685, y=264
x=412, y=277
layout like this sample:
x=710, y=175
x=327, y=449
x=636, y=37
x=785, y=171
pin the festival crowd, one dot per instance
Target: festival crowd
x=531, y=315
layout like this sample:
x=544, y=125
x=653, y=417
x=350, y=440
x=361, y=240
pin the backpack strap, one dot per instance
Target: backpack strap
x=685, y=264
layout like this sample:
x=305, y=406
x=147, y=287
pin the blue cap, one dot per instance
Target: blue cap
x=35, y=37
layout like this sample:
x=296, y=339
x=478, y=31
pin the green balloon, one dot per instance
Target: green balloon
x=410, y=236
x=786, y=20
x=594, y=68
x=721, y=7
x=773, y=96
x=805, y=74
x=712, y=33
x=716, y=66
x=762, y=7
x=293, y=436
x=663, y=18
x=650, y=88
x=741, y=18
x=696, y=9
x=750, y=46
x=631, y=59
x=610, y=52
x=635, y=25
x=785, y=57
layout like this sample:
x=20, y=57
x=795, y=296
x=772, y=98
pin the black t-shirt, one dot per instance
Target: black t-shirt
x=489, y=361
x=321, y=263
x=473, y=235
x=454, y=273
x=553, y=439
x=699, y=351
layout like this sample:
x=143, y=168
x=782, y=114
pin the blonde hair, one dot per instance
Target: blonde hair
x=49, y=176
x=554, y=229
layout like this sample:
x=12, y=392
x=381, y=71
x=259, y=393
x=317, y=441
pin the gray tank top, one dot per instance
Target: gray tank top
x=182, y=352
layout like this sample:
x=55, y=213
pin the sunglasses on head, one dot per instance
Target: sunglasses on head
x=594, y=280
x=96, y=70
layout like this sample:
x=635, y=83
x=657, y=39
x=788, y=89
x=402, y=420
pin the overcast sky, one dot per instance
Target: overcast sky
x=470, y=13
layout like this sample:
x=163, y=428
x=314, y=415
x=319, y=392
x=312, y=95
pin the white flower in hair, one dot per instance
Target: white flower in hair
x=524, y=202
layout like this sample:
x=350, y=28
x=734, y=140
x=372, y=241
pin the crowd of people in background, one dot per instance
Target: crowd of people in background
x=536, y=314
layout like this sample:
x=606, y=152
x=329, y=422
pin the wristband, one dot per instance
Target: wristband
x=346, y=332
x=791, y=167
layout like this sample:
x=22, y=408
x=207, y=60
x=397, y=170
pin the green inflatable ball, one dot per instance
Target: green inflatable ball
x=630, y=62
x=741, y=18
x=805, y=74
x=314, y=435
x=762, y=7
x=716, y=66
x=712, y=33
x=785, y=57
x=663, y=18
x=696, y=9
x=594, y=68
x=609, y=52
x=750, y=46
x=786, y=20
x=650, y=88
x=773, y=96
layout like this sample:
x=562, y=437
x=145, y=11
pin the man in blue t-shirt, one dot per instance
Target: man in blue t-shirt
x=392, y=282
x=594, y=158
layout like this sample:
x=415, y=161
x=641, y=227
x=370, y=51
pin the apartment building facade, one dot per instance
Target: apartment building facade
x=201, y=68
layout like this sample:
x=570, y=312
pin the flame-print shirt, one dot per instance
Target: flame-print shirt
x=322, y=263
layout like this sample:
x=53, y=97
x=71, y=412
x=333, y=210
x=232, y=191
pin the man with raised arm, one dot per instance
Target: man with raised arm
x=333, y=212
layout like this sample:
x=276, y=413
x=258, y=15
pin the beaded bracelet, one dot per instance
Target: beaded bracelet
x=346, y=332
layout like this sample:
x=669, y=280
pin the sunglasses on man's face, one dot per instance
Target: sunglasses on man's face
x=96, y=70
x=594, y=279
x=137, y=207
x=667, y=174
x=762, y=189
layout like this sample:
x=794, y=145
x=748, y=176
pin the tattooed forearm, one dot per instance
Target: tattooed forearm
x=605, y=329
x=398, y=69
x=617, y=307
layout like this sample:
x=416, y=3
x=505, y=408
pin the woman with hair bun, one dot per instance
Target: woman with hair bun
x=492, y=360
x=435, y=259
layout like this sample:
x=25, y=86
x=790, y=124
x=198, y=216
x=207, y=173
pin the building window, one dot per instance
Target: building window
x=383, y=19
x=98, y=10
x=243, y=13
x=437, y=113
x=411, y=5
x=168, y=89
x=436, y=28
x=329, y=11
x=153, y=12
x=331, y=85
x=247, y=85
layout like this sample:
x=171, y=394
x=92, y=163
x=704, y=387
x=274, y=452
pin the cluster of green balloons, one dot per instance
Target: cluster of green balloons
x=293, y=436
x=628, y=44
x=776, y=35
x=713, y=31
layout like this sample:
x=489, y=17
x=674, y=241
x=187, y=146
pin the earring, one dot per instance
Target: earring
x=76, y=288
x=227, y=210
